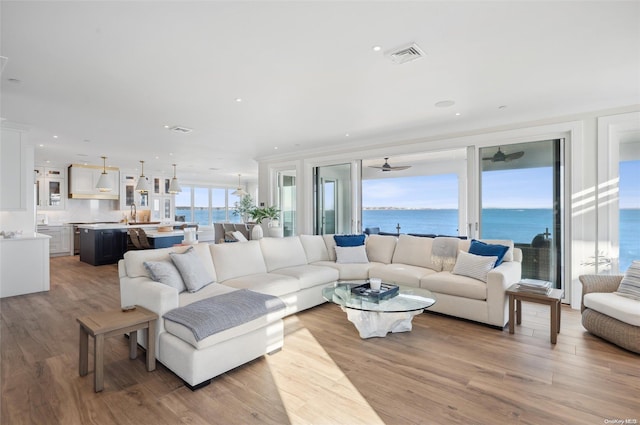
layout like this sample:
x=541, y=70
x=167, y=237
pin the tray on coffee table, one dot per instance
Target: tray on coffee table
x=386, y=291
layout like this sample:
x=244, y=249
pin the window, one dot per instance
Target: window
x=522, y=200
x=629, y=213
x=415, y=204
x=204, y=205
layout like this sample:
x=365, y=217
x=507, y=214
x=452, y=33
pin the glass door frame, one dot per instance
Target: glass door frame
x=474, y=205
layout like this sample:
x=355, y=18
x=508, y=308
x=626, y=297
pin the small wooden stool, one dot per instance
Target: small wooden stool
x=553, y=299
x=112, y=323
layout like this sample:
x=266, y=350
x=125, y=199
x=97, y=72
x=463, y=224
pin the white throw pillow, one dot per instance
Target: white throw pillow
x=239, y=236
x=193, y=272
x=475, y=266
x=165, y=272
x=630, y=284
x=351, y=254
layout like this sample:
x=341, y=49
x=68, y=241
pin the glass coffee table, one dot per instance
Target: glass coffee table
x=377, y=318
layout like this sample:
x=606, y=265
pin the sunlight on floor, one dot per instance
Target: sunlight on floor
x=312, y=387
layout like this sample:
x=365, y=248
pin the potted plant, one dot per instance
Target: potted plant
x=272, y=214
x=243, y=207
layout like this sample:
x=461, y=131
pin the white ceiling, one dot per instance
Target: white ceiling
x=106, y=77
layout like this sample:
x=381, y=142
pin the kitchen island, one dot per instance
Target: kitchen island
x=106, y=243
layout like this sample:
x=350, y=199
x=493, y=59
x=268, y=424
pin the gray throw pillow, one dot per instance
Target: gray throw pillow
x=165, y=272
x=193, y=272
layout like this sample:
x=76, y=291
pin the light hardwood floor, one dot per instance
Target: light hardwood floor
x=445, y=371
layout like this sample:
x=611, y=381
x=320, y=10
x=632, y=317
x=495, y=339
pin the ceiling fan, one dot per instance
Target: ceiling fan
x=387, y=167
x=504, y=157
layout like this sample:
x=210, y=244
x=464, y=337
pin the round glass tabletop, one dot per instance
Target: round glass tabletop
x=407, y=299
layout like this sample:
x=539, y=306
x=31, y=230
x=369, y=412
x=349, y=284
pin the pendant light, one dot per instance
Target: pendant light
x=239, y=191
x=103, y=182
x=174, y=187
x=143, y=183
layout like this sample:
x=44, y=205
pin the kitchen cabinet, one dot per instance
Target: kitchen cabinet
x=60, y=242
x=128, y=194
x=84, y=178
x=50, y=188
x=13, y=171
x=24, y=265
x=161, y=202
x=102, y=246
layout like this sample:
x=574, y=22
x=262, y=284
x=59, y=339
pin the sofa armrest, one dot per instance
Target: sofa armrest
x=498, y=280
x=598, y=283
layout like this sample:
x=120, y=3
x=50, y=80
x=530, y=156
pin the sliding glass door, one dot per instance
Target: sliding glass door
x=521, y=199
x=333, y=199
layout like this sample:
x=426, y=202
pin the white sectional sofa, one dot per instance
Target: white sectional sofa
x=295, y=269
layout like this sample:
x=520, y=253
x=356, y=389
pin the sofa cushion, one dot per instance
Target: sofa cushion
x=475, y=266
x=208, y=291
x=349, y=240
x=314, y=248
x=630, y=284
x=488, y=250
x=624, y=309
x=134, y=260
x=351, y=254
x=414, y=251
x=233, y=260
x=282, y=252
x=193, y=272
x=380, y=248
x=460, y=286
x=403, y=274
x=266, y=283
x=310, y=275
x=165, y=272
x=354, y=271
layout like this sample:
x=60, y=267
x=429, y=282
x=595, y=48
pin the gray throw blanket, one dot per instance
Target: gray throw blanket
x=444, y=252
x=216, y=314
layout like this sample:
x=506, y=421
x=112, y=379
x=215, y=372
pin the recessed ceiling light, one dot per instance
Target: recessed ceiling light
x=457, y=114
x=376, y=48
x=275, y=147
x=157, y=157
x=55, y=137
x=346, y=135
x=170, y=153
x=48, y=162
x=167, y=126
x=238, y=99
x=445, y=104
x=41, y=145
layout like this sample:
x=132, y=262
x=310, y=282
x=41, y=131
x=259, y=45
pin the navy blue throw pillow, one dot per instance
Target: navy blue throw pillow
x=488, y=250
x=349, y=240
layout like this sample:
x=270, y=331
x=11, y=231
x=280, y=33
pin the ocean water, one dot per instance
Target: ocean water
x=519, y=225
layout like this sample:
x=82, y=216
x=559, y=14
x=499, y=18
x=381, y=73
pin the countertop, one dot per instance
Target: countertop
x=26, y=236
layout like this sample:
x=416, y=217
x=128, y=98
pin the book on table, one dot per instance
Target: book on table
x=535, y=286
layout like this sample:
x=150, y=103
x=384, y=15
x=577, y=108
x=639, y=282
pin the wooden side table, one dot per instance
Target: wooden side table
x=112, y=323
x=553, y=300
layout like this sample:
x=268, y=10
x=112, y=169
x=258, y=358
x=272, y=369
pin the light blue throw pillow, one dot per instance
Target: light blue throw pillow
x=193, y=272
x=165, y=272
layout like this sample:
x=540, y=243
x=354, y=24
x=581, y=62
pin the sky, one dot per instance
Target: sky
x=520, y=188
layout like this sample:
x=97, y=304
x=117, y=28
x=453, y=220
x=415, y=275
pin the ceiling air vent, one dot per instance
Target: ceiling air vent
x=180, y=129
x=406, y=54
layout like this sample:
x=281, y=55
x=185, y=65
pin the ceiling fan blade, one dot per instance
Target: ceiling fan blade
x=387, y=167
x=400, y=167
x=515, y=155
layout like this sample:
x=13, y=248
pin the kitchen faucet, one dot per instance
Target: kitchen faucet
x=134, y=212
